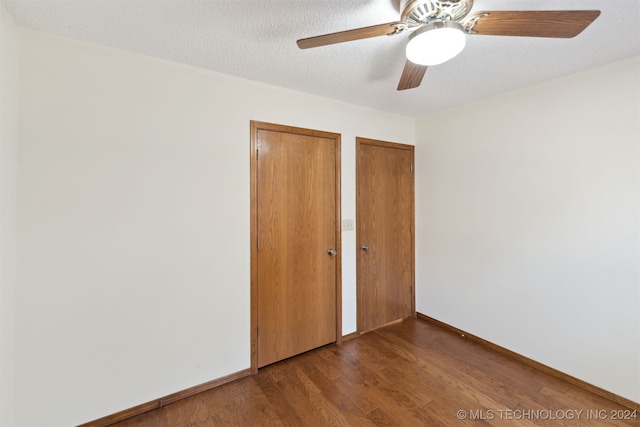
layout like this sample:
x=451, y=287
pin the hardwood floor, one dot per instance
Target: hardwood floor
x=411, y=373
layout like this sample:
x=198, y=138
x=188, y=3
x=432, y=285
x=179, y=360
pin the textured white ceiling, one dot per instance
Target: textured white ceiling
x=256, y=40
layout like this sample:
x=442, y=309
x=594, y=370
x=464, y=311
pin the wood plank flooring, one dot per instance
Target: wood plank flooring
x=411, y=373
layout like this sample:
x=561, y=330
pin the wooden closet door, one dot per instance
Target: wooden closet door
x=297, y=241
x=384, y=221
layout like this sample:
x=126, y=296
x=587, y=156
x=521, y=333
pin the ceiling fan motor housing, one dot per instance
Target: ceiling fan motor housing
x=420, y=12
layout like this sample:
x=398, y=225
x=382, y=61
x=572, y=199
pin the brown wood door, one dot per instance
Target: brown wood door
x=296, y=277
x=384, y=219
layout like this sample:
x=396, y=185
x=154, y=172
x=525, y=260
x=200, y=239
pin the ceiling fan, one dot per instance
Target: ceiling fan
x=438, y=29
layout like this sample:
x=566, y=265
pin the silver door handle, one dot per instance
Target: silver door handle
x=332, y=252
x=365, y=248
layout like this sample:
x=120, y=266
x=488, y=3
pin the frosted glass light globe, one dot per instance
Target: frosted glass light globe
x=436, y=43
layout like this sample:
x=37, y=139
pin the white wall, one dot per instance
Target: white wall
x=9, y=78
x=133, y=223
x=528, y=223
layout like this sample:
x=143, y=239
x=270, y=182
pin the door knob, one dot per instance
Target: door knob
x=365, y=248
x=332, y=252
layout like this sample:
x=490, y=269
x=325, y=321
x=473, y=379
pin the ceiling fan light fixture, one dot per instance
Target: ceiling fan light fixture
x=436, y=43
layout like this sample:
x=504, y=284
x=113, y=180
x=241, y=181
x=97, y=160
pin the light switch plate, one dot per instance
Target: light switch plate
x=347, y=225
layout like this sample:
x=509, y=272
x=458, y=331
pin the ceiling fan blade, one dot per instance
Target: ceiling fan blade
x=542, y=23
x=350, y=35
x=411, y=75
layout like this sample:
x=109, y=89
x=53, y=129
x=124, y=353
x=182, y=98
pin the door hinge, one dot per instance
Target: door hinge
x=411, y=228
